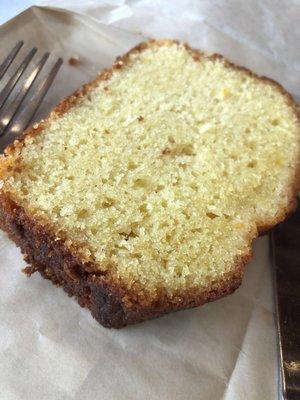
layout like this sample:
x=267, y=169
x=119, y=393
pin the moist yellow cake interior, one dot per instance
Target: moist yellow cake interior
x=164, y=172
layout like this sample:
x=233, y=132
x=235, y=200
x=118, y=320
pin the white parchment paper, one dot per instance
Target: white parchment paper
x=50, y=348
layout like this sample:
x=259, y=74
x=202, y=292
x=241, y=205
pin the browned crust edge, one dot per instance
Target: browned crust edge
x=108, y=300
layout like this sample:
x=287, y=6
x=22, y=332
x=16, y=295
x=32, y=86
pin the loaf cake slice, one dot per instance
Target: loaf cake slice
x=141, y=194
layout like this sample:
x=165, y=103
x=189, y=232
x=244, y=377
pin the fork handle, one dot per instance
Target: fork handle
x=285, y=242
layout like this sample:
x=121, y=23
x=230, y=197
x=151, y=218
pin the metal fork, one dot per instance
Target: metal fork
x=16, y=113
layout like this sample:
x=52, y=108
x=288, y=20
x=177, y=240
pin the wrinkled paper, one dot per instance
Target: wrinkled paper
x=50, y=348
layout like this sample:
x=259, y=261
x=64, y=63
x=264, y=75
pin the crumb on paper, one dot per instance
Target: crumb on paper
x=74, y=60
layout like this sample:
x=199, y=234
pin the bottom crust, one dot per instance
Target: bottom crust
x=108, y=304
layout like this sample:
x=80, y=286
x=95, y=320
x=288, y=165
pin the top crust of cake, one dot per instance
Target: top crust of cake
x=159, y=174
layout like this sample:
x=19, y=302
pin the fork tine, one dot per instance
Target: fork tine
x=24, y=117
x=9, y=59
x=7, y=116
x=5, y=92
